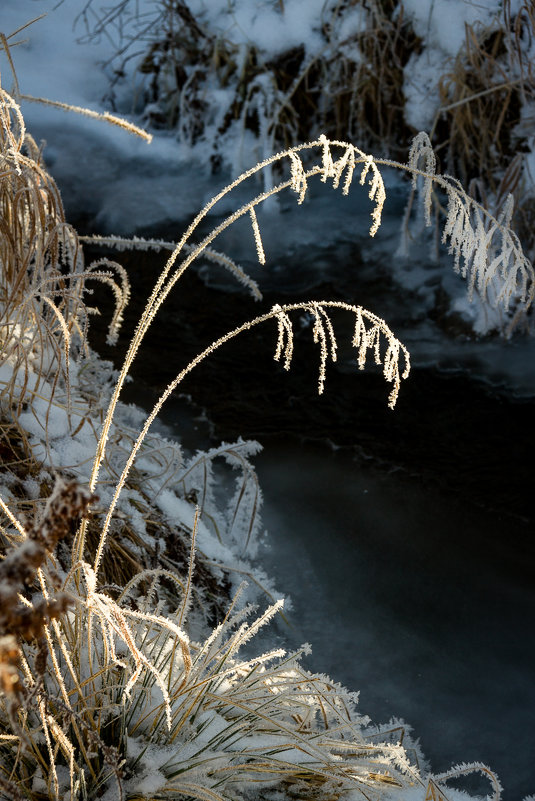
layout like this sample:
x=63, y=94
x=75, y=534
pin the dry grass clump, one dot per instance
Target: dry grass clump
x=483, y=123
x=43, y=313
x=113, y=698
x=130, y=707
x=482, y=97
x=26, y=619
x=362, y=77
x=38, y=299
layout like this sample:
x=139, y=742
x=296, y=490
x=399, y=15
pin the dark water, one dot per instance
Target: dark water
x=408, y=552
x=393, y=584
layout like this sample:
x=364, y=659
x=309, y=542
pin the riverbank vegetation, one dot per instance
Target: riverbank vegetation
x=126, y=668
x=239, y=81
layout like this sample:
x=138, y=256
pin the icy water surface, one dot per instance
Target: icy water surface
x=392, y=584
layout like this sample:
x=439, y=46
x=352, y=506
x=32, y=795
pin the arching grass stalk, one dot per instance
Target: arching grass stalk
x=484, y=248
x=161, y=289
x=364, y=339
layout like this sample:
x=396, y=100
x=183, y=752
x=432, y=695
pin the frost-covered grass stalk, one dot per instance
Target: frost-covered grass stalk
x=111, y=687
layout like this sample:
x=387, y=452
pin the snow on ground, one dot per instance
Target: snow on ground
x=442, y=26
x=244, y=21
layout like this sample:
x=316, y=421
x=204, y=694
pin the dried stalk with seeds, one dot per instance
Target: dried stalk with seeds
x=65, y=506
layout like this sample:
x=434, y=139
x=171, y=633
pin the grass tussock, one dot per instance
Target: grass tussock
x=44, y=316
x=485, y=103
x=122, y=623
x=482, y=96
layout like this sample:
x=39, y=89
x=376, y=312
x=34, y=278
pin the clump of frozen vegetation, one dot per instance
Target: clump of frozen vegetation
x=241, y=79
x=123, y=611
